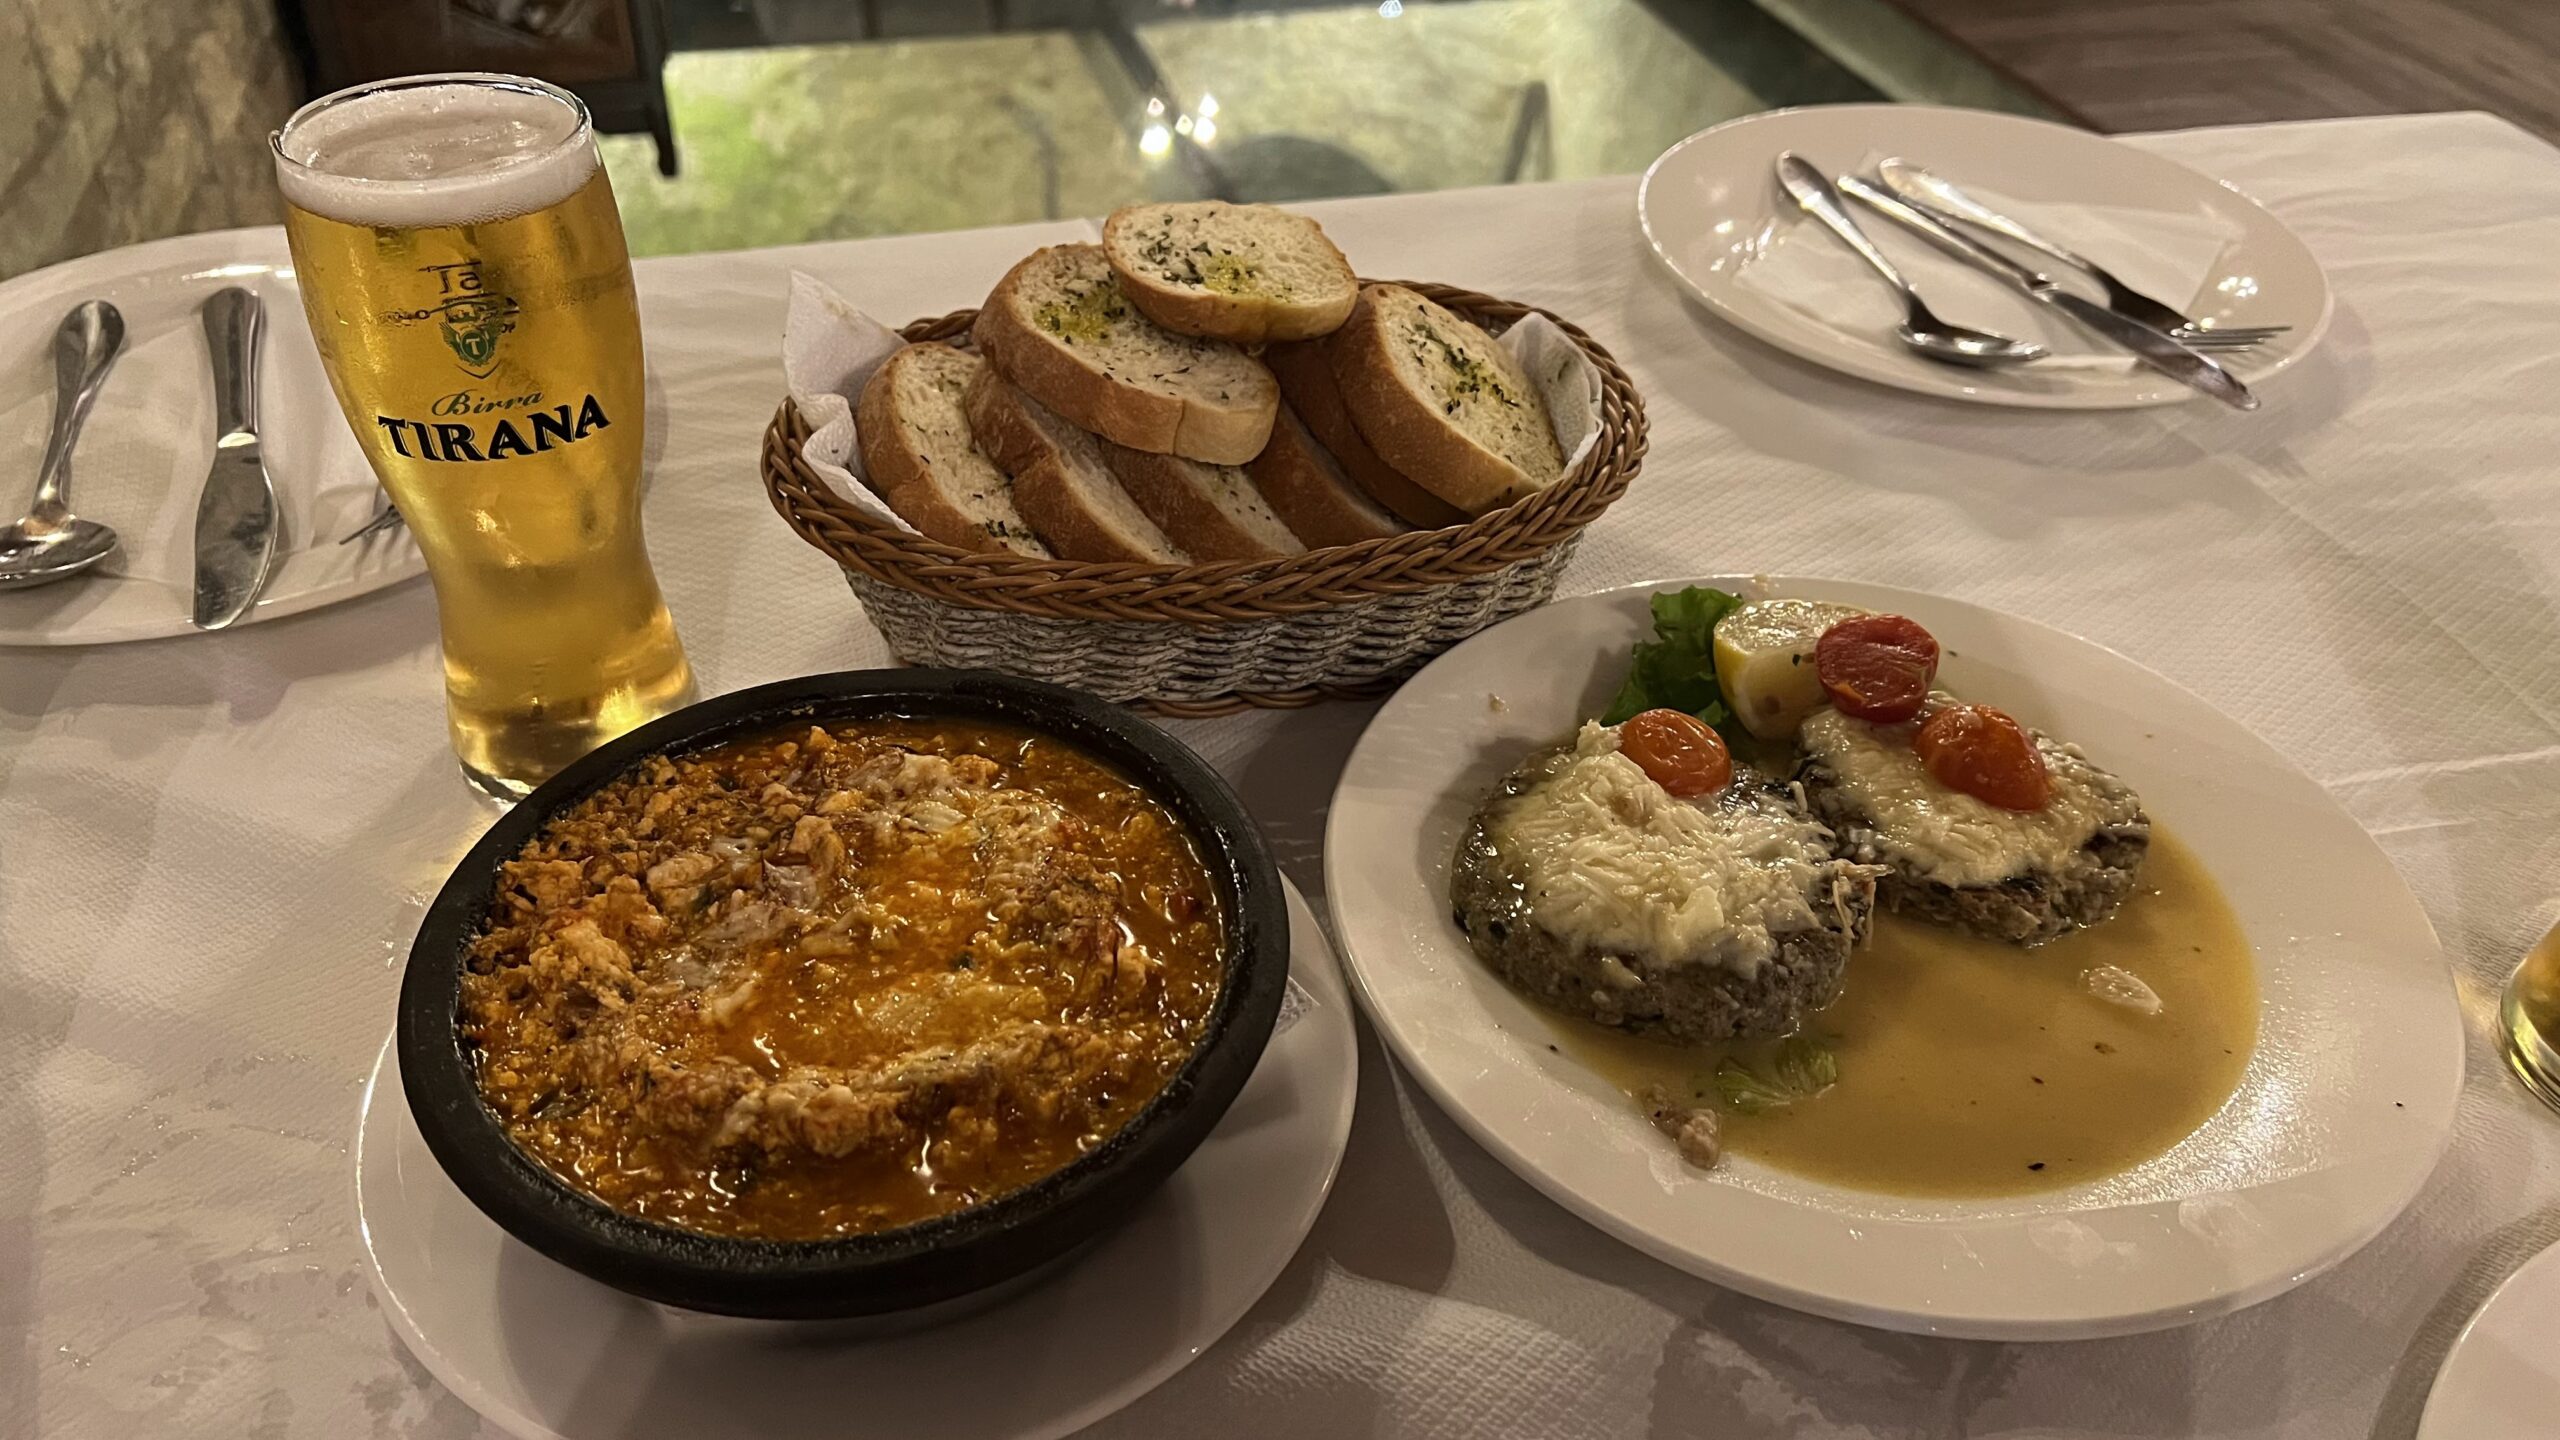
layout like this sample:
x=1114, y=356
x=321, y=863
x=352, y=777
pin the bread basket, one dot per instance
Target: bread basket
x=1196, y=640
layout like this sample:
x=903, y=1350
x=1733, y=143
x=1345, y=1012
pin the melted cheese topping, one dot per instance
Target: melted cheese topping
x=1611, y=861
x=1946, y=835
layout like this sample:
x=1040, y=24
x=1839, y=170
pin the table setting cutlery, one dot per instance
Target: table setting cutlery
x=1921, y=329
x=151, y=446
x=2138, y=236
x=385, y=518
x=2176, y=352
x=2152, y=347
x=236, y=522
x=1933, y=193
x=236, y=526
x=51, y=543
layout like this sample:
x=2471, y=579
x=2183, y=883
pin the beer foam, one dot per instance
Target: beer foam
x=463, y=152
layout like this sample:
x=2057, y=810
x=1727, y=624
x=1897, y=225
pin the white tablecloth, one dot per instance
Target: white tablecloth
x=211, y=849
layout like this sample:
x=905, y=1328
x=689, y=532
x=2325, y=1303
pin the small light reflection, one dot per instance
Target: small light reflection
x=1208, y=106
x=1182, y=125
x=1205, y=131
x=1391, y=8
x=1155, y=105
x=2239, y=287
x=1156, y=140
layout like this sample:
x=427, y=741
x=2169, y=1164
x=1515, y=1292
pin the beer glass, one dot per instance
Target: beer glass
x=463, y=267
x=2529, y=1019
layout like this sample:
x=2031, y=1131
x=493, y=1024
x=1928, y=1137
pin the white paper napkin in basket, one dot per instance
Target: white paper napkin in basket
x=830, y=349
x=2166, y=255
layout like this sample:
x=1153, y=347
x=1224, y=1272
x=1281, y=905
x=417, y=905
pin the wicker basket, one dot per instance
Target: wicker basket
x=1340, y=622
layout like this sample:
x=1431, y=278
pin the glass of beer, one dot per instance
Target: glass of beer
x=463, y=267
x=2529, y=1019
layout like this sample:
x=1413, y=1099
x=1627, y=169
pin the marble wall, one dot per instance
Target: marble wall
x=128, y=121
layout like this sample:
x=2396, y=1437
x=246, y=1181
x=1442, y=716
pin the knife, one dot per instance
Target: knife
x=236, y=514
x=2146, y=344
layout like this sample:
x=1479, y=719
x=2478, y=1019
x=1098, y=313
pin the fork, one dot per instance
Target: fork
x=385, y=519
x=1913, y=183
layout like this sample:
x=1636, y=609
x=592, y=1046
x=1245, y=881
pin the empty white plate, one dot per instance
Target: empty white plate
x=547, y=1354
x=142, y=458
x=2502, y=1381
x=2339, y=1117
x=1715, y=216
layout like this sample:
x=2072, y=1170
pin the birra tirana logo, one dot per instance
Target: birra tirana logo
x=530, y=432
x=472, y=318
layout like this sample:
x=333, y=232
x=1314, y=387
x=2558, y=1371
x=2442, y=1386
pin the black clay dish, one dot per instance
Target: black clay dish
x=915, y=1265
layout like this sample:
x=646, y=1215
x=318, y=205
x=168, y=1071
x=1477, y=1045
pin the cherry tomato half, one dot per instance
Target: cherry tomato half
x=1985, y=754
x=1877, y=667
x=1679, y=752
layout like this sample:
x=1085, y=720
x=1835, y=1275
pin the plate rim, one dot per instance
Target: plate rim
x=1937, y=1322
x=1179, y=1353
x=113, y=260
x=1910, y=382
x=2429, y=1417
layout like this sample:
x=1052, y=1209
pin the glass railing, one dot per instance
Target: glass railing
x=1022, y=111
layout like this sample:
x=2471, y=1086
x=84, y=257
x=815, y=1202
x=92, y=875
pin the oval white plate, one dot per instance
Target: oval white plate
x=141, y=459
x=2339, y=1117
x=548, y=1354
x=1711, y=205
x=2502, y=1381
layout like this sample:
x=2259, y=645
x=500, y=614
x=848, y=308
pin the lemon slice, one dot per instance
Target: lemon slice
x=1764, y=661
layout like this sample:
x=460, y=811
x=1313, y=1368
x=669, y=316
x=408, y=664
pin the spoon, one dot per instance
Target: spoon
x=1925, y=333
x=51, y=543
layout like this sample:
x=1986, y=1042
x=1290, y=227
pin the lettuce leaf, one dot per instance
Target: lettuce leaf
x=1676, y=670
x=1799, y=1069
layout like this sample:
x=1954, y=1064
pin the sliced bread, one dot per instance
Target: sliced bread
x=1061, y=480
x=1059, y=327
x=1213, y=511
x=921, y=458
x=1244, y=273
x=1306, y=487
x=1442, y=401
x=1306, y=386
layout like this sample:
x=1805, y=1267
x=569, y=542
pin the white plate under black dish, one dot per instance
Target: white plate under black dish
x=547, y=1354
x=2340, y=1116
x=142, y=458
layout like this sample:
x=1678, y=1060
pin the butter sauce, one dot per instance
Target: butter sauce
x=1970, y=1068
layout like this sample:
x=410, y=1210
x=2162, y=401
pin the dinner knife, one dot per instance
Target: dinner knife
x=2147, y=345
x=236, y=514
